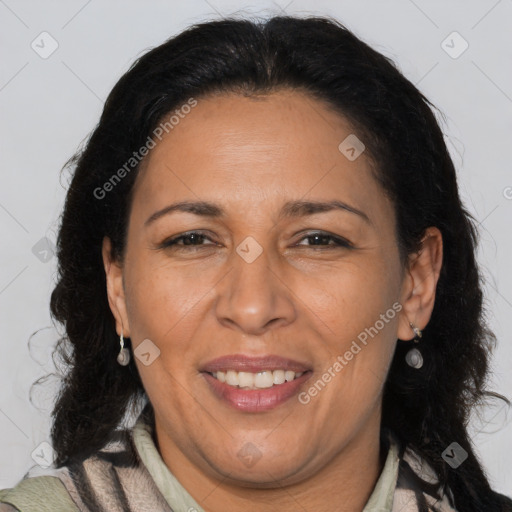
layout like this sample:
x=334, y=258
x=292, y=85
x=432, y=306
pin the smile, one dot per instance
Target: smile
x=254, y=384
x=259, y=380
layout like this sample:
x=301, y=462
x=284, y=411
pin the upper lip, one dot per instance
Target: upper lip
x=253, y=364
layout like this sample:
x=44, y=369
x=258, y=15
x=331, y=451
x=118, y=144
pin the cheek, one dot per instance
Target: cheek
x=359, y=310
x=161, y=297
x=353, y=295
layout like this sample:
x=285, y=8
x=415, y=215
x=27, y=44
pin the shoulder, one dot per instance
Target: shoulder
x=37, y=494
x=61, y=489
x=418, y=478
x=112, y=478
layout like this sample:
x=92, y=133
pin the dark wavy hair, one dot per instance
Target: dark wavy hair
x=427, y=408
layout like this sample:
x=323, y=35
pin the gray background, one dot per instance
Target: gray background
x=49, y=105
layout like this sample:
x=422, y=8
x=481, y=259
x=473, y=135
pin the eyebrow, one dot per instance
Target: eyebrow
x=291, y=209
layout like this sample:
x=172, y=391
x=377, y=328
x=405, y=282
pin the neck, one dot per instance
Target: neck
x=343, y=484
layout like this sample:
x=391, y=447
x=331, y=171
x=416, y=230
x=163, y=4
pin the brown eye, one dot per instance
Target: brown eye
x=193, y=238
x=320, y=239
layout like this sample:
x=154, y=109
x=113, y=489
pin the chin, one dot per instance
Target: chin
x=265, y=472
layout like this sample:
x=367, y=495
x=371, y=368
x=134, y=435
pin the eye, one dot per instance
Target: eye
x=321, y=238
x=190, y=239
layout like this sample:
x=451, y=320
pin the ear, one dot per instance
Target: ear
x=419, y=284
x=115, y=290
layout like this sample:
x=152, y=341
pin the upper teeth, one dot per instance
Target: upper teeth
x=265, y=379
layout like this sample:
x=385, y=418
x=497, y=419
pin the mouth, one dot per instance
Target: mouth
x=260, y=380
x=255, y=384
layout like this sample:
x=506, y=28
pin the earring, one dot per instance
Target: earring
x=413, y=357
x=123, y=358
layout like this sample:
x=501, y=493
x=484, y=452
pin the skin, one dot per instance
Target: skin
x=301, y=298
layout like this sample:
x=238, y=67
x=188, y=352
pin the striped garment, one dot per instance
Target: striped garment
x=117, y=480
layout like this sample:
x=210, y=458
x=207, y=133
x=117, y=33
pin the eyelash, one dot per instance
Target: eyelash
x=338, y=241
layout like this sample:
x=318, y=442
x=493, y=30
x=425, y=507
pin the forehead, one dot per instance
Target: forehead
x=284, y=144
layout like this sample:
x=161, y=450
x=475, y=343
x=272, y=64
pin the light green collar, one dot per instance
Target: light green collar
x=181, y=501
x=173, y=492
x=384, y=490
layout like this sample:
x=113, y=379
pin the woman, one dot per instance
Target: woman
x=264, y=246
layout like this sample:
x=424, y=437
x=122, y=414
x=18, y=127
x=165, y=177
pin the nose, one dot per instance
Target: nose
x=255, y=297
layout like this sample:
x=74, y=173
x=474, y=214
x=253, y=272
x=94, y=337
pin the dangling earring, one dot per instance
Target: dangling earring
x=414, y=357
x=123, y=358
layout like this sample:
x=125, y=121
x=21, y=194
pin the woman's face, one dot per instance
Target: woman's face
x=267, y=284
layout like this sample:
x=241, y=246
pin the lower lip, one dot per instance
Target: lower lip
x=256, y=400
